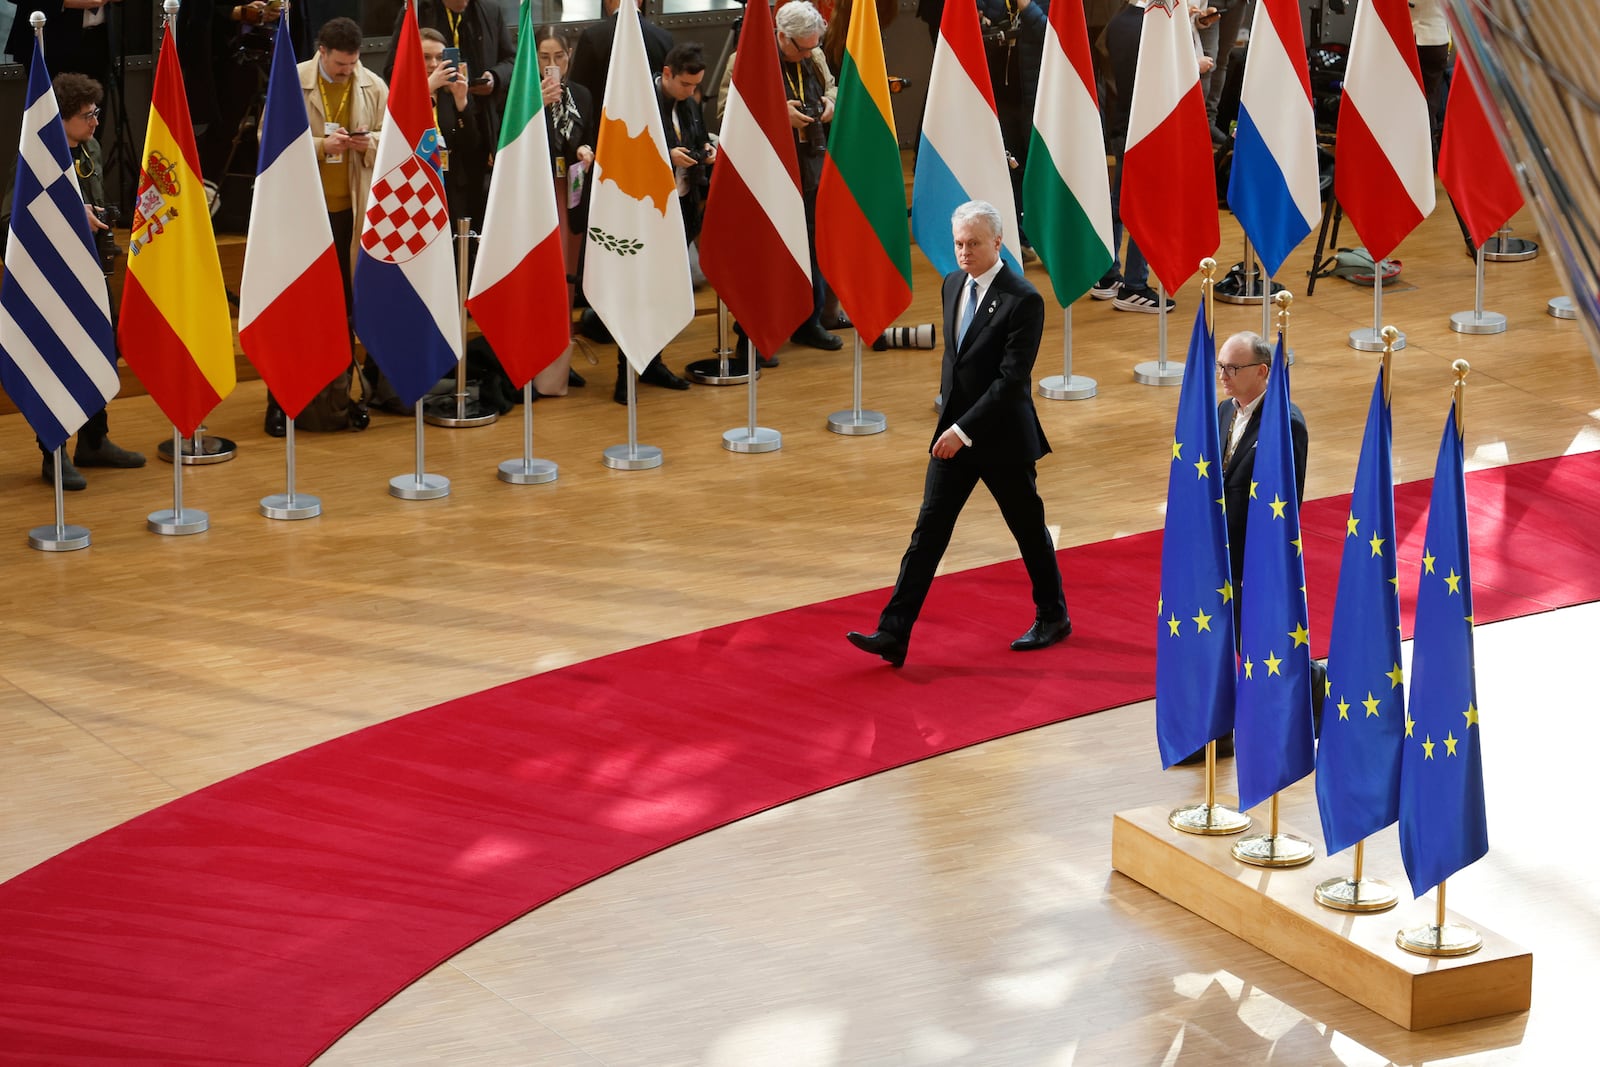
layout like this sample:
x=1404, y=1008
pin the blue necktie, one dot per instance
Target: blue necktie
x=966, y=315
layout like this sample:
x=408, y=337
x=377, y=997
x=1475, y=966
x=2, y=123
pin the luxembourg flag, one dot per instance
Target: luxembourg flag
x=291, y=298
x=407, y=309
x=1169, y=199
x=962, y=156
x=519, y=286
x=1384, y=180
x=1274, y=188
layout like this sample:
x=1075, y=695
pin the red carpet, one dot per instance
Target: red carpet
x=257, y=920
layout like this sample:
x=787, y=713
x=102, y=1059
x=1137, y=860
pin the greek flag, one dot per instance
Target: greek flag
x=58, y=362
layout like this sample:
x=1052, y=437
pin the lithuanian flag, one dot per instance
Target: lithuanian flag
x=174, y=329
x=863, y=238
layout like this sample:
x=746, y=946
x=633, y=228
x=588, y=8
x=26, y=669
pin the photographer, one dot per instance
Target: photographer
x=79, y=96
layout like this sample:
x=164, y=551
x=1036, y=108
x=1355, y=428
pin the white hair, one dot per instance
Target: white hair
x=973, y=210
x=799, y=18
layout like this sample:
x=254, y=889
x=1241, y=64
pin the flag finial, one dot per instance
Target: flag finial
x=1208, y=284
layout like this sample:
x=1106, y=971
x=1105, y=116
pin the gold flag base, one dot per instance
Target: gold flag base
x=1357, y=895
x=1208, y=819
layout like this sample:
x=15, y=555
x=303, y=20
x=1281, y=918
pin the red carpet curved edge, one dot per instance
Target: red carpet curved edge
x=257, y=920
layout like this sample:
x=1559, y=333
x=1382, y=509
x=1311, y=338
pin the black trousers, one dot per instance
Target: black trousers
x=949, y=484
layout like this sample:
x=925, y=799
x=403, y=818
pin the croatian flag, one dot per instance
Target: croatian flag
x=57, y=359
x=1384, y=180
x=1169, y=199
x=407, y=310
x=961, y=156
x=1274, y=189
x=291, y=299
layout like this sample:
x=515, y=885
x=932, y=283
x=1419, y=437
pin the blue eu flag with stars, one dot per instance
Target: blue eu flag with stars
x=1443, y=823
x=1273, y=745
x=1363, y=718
x=1194, y=647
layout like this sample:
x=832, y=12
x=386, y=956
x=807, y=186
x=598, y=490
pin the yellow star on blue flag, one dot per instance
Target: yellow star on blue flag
x=1195, y=661
x=1273, y=744
x=1358, y=756
x=1443, y=819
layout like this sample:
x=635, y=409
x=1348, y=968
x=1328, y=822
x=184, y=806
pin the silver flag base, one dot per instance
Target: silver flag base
x=54, y=538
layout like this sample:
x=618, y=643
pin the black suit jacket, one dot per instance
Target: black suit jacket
x=591, y=63
x=987, y=382
x=1240, y=469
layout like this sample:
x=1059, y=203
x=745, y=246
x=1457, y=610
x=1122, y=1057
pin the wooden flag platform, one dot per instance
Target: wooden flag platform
x=1354, y=954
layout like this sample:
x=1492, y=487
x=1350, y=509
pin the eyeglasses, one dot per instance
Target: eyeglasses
x=92, y=115
x=1228, y=370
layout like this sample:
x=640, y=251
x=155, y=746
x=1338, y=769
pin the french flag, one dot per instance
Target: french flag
x=292, y=318
x=407, y=309
x=1384, y=180
x=1273, y=188
x=961, y=156
x=1169, y=199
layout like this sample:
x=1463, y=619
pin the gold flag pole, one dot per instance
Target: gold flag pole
x=1441, y=938
x=1209, y=818
x=1274, y=849
x=1357, y=893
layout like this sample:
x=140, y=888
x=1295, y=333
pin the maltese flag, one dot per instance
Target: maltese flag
x=1384, y=179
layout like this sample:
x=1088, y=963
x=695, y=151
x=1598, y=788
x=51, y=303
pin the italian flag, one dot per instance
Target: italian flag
x=519, y=285
x=863, y=236
x=1066, y=192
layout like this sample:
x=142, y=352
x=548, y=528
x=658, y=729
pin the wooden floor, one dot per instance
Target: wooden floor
x=961, y=911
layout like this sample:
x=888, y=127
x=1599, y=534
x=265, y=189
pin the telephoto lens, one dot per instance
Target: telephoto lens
x=922, y=336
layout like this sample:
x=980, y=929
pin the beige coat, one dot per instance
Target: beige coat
x=368, y=101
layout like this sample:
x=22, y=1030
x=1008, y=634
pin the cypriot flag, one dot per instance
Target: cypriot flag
x=636, y=272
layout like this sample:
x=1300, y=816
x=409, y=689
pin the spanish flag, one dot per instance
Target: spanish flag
x=174, y=329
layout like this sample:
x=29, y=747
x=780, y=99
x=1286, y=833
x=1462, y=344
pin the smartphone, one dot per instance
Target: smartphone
x=452, y=59
x=552, y=73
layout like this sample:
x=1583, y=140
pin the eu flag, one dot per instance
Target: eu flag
x=1443, y=824
x=1195, y=659
x=1363, y=719
x=1273, y=745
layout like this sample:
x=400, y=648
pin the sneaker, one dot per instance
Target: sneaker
x=71, y=480
x=1145, y=300
x=1106, y=288
x=105, y=454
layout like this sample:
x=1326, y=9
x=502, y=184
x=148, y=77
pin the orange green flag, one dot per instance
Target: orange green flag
x=174, y=329
x=863, y=236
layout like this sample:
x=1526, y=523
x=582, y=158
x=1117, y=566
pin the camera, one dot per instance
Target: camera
x=105, y=241
x=811, y=136
x=922, y=336
x=999, y=35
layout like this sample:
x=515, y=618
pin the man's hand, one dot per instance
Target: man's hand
x=948, y=444
x=483, y=86
x=827, y=110
x=710, y=153
x=94, y=219
x=360, y=141
x=797, y=118
x=337, y=141
x=682, y=158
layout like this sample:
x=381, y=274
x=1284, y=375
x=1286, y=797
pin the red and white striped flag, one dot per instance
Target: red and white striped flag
x=1384, y=177
x=1471, y=161
x=1169, y=199
x=292, y=316
x=753, y=245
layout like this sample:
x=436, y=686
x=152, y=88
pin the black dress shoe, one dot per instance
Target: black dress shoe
x=881, y=644
x=658, y=374
x=275, y=423
x=816, y=337
x=838, y=321
x=575, y=380
x=1042, y=635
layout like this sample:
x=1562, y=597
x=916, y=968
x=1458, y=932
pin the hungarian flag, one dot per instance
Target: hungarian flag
x=1066, y=191
x=1168, y=198
x=408, y=311
x=1471, y=161
x=1384, y=180
x=863, y=242
x=1274, y=188
x=961, y=156
x=57, y=360
x=291, y=300
x=636, y=265
x=753, y=244
x=519, y=285
x=174, y=328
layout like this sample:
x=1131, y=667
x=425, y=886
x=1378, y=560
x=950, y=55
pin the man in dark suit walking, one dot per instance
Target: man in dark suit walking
x=988, y=432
